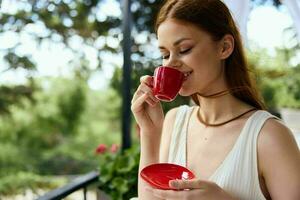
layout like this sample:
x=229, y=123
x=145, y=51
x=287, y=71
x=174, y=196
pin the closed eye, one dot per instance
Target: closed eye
x=181, y=52
x=185, y=51
x=165, y=57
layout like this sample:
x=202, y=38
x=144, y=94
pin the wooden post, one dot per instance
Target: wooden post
x=126, y=112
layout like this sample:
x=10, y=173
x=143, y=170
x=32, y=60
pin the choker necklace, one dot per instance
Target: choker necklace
x=222, y=123
x=224, y=92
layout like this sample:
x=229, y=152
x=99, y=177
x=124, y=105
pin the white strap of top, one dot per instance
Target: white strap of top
x=178, y=139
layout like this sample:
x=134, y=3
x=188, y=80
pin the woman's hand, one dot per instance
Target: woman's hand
x=146, y=108
x=194, y=189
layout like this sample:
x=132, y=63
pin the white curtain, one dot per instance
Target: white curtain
x=240, y=10
x=294, y=9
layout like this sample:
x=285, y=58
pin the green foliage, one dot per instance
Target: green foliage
x=60, y=22
x=277, y=79
x=71, y=108
x=8, y=162
x=15, y=183
x=13, y=95
x=119, y=173
x=16, y=61
x=39, y=138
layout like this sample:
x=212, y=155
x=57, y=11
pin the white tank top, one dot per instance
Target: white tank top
x=238, y=173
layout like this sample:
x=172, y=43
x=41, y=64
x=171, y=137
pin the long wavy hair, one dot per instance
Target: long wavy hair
x=214, y=17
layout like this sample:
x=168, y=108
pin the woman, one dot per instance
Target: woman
x=235, y=148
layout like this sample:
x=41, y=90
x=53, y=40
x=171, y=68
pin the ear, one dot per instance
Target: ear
x=226, y=46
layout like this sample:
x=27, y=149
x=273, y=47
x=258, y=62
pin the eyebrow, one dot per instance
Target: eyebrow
x=177, y=42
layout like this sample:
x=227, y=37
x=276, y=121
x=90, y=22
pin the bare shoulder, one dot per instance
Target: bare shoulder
x=166, y=134
x=279, y=160
x=275, y=134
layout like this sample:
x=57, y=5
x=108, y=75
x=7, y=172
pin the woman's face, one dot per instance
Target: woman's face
x=194, y=52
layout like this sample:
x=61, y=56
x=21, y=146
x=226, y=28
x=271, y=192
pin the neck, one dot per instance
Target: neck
x=219, y=109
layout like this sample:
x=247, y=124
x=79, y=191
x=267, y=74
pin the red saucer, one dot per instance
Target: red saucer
x=158, y=175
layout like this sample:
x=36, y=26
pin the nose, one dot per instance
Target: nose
x=173, y=61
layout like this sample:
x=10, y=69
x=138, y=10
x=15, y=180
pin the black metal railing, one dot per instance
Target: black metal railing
x=82, y=182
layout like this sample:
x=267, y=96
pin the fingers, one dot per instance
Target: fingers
x=164, y=194
x=151, y=100
x=144, y=88
x=138, y=102
x=188, y=184
x=167, y=194
x=148, y=80
x=190, y=189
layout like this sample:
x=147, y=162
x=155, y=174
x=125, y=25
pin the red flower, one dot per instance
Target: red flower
x=114, y=148
x=101, y=149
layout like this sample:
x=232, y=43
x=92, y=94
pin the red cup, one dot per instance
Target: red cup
x=167, y=82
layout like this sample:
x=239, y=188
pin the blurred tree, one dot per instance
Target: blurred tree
x=60, y=132
x=277, y=77
x=61, y=21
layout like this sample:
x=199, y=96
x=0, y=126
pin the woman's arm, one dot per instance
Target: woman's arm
x=149, y=155
x=154, y=152
x=279, y=161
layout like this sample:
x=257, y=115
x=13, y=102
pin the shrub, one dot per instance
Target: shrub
x=119, y=172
